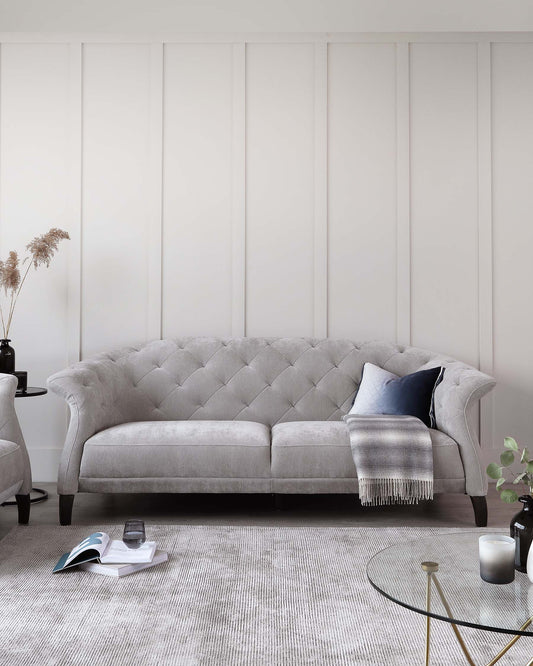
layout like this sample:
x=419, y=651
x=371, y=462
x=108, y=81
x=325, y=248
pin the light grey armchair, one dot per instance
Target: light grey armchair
x=15, y=470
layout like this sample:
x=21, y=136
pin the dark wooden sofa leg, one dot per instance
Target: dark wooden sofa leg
x=23, y=506
x=480, y=509
x=65, y=509
x=278, y=502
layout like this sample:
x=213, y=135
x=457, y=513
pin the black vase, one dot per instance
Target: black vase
x=7, y=357
x=522, y=532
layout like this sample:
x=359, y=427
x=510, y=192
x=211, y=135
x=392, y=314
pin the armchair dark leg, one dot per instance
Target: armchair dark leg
x=65, y=509
x=480, y=510
x=23, y=506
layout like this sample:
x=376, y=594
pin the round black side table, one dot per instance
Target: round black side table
x=31, y=392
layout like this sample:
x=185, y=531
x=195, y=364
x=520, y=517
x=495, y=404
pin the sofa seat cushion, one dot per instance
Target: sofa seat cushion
x=321, y=449
x=11, y=465
x=191, y=449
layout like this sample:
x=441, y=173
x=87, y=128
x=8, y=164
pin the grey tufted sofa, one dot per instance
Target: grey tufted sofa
x=246, y=415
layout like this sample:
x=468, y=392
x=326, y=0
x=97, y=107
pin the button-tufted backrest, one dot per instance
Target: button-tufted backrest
x=268, y=380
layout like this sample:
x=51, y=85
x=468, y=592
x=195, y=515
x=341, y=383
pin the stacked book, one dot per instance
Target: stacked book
x=100, y=554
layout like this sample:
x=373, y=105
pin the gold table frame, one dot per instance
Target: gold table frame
x=431, y=569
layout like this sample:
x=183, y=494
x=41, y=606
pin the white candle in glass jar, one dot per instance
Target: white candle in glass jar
x=496, y=558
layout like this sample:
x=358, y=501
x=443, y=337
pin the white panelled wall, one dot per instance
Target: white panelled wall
x=360, y=186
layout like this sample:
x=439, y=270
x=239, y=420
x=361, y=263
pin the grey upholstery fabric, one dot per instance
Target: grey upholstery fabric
x=349, y=486
x=312, y=449
x=156, y=456
x=159, y=449
x=264, y=380
x=11, y=469
x=15, y=470
x=175, y=485
x=322, y=450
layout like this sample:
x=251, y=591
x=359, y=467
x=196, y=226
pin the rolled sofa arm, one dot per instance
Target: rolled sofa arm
x=455, y=399
x=96, y=392
x=10, y=427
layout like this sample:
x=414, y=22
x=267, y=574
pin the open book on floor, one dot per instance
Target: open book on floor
x=100, y=548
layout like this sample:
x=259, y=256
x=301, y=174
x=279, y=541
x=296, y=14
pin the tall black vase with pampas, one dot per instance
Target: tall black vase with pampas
x=7, y=357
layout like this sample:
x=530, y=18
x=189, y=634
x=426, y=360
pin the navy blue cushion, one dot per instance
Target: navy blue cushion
x=382, y=392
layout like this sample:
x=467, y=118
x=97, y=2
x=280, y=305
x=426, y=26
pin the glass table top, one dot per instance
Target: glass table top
x=396, y=572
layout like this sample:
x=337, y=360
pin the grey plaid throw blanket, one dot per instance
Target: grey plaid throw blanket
x=393, y=457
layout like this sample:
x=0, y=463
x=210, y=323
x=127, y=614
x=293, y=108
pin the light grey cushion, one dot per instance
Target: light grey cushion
x=153, y=449
x=322, y=450
x=11, y=467
x=367, y=400
x=313, y=449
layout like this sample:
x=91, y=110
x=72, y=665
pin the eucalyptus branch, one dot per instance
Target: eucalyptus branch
x=507, y=458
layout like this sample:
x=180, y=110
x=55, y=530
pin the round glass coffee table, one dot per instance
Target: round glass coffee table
x=439, y=577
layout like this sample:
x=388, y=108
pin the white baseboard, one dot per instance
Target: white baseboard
x=44, y=464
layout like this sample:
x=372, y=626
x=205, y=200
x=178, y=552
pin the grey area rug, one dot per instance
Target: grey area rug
x=228, y=595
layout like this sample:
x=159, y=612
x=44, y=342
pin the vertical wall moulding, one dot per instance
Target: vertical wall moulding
x=485, y=284
x=155, y=232
x=403, y=233
x=444, y=198
x=117, y=194
x=362, y=190
x=1, y=165
x=320, y=323
x=512, y=203
x=197, y=189
x=75, y=203
x=238, y=191
x=280, y=146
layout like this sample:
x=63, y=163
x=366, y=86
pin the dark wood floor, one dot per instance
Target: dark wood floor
x=307, y=510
